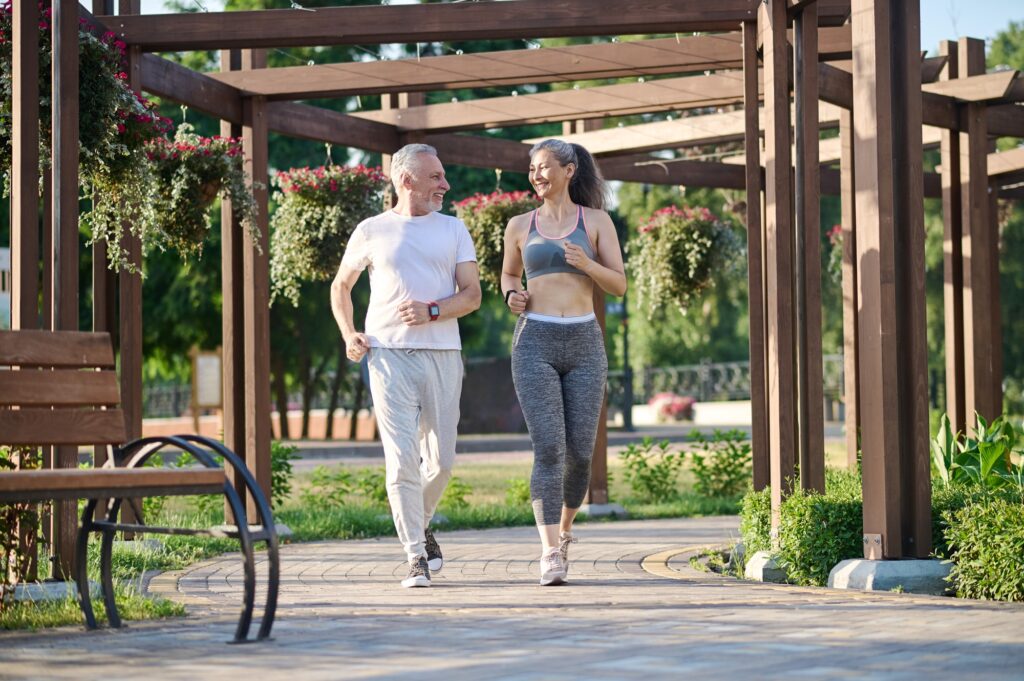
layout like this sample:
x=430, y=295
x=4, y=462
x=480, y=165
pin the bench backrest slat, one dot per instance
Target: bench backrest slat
x=59, y=388
x=62, y=427
x=71, y=349
x=103, y=482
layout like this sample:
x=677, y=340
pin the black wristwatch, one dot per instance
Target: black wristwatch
x=434, y=310
x=508, y=294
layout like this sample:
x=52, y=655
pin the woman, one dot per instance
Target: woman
x=559, y=365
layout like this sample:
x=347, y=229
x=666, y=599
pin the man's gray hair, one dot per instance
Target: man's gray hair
x=404, y=160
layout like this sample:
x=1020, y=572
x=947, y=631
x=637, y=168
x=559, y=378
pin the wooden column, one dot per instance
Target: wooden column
x=232, y=311
x=779, y=252
x=952, y=256
x=256, y=283
x=755, y=260
x=890, y=254
x=851, y=302
x=25, y=168
x=982, y=338
x=807, y=258
x=399, y=100
x=64, y=314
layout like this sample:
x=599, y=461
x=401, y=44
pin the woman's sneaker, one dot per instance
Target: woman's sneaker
x=419, y=574
x=564, y=539
x=435, y=561
x=552, y=569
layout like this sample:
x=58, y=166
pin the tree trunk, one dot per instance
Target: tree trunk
x=281, y=395
x=357, y=402
x=339, y=379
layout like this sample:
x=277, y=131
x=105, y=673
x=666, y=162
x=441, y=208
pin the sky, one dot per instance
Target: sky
x=940, y=19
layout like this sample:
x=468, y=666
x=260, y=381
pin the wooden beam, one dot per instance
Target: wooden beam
x=25, y=167
x=366, y=25
x=755, y=262
x=807, y=260
x=1006, y=167
x=256, y=296
x=324, y=125
x=952, y=258
x=673, y=172
x=890, y=254
x=1006, y=120
x=978, y=88
x=596, y=102
x=199, y=91
x=779, y=254
x=982, y=349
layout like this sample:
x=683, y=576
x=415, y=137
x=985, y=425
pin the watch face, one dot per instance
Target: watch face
x=434, y=310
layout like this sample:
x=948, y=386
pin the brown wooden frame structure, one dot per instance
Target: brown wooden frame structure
x=861, y=56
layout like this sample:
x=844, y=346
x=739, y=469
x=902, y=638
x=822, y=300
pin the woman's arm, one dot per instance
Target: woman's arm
x=607, y=269
x=512, y=267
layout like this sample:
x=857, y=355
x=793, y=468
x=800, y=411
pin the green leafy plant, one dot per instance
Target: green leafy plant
x=652, y=471
x=486, y=216
x=756, y=521
x=455, y=494
x=986, y=539
x=676, y=254
x=281, y=457
x=517, y=493
x=317, y=211
x=835, y=254
x=371, y=483
x=327, y=487
x=722, y=463
x=17, y=522
x=983, y=460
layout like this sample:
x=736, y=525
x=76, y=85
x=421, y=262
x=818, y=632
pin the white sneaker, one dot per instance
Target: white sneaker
x=435, y=561
x=564, y=539
x=419, y=574
x=552, y=569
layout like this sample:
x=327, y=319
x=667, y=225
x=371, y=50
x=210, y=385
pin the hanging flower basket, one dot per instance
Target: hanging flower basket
x=486, y=216
x=677, y=253
x=317, y=210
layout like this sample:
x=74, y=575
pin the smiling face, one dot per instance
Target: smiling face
x=549, y=177
x=426, y=185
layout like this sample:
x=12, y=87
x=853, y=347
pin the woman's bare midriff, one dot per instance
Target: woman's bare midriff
x=561, y=295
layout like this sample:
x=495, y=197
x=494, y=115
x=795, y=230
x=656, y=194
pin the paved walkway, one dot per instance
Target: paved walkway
x=634, y=609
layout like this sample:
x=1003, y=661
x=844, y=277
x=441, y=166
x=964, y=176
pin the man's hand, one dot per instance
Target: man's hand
x=413, y=313
x=356, y=346
x=517, y=301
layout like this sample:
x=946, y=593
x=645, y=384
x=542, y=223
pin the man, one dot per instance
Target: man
x=423, y=277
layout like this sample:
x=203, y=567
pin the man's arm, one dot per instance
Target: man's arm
x=356, y=344
x=466, y=300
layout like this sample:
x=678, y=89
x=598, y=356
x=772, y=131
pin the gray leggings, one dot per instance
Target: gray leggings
x=560, y=372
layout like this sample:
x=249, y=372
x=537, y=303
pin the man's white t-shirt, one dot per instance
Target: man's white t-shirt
x=410, y=258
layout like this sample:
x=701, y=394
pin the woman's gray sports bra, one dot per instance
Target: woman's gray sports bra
x=542, y=255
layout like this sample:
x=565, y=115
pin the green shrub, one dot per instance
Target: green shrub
x=281, y=457
x=816, y=531
x=722, y=466
x=455, y=494
x=986, y=539
x=756, y=521
x=518, y=492
x=372, y=484
x=327, y=487
x=652, y=475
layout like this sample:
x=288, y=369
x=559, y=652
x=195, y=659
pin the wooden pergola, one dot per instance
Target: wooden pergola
x=855, y=65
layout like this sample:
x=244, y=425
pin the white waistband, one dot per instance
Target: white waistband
x=559, y=320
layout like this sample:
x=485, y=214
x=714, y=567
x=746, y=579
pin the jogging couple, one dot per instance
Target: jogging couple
x=423, y=277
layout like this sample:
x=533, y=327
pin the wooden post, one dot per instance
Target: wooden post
x=755, y=260
x=952, y=256
x=779, y=251
x=256, y=282
x=65, y=240
x=232, y=313
x=982, y=339
x=890, y=254
x=851, y=303
x=807, y=259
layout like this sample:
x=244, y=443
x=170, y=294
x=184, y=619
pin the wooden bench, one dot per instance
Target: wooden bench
x=60, y=388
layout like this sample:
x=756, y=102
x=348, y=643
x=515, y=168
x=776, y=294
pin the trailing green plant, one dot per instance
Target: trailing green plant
x=677, y=252
x=652, y=471
x=317, y=211
x=986, y=540
x=984, y=460
x=517, y=493
x=722, y=463
x=281, y=457
x=372, y=484
x=486, y=216
x=835, y=254
x=756, y=521
x=327, y=487
x=455, y=494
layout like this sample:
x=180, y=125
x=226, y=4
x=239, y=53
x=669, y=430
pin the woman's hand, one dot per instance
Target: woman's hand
x=575, y=256
x=517, y=301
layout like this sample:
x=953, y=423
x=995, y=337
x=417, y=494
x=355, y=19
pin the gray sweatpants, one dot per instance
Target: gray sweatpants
x=559, y=371
x=416, y=402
